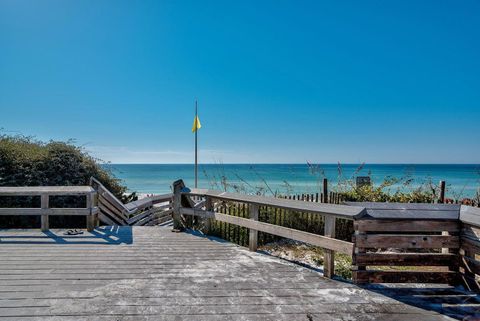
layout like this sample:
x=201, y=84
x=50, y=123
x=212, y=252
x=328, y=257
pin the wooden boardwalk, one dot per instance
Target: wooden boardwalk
x=150, y=273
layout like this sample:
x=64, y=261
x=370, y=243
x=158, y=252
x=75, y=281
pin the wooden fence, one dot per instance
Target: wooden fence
x=100, y=205
x=388, y=242
x=392, y=238
x=305, y=221
x=205, y=204
x=391, y=242
x=44, y=211
x=470, y=247
x=302, y=221
x=151, y=210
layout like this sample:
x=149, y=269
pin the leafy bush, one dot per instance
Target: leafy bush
x=390, y=189
x=378, y=193
x=25, y=161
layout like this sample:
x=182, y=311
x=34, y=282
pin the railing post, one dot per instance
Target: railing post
x=441, y=200
x=325, y=190
x=95, y=204
x=208, y=221
x=329, y=255
x=253, y=234
x=441, y=197
x=357, y=250
x=91, y=217
x=177, y=204
x=44, y=199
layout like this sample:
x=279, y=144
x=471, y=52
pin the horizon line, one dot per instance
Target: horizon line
x=305, y=163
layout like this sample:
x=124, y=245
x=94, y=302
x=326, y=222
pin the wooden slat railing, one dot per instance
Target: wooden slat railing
x=45, y=192
x=400, y=243
x=151, y=210
x=470, y=247
x=111, y=209
x=440, y=242
x=185, y=205
x=392, y=242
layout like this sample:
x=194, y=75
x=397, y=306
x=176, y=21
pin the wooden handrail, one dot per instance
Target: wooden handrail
x=102, y=190
x=341, y=211
x=184, y=205
x=148, y=202
x=135, y=206
x=470, y=215
x=90, y=210
x=143, y=211
x=454, y=229
x=48, y=190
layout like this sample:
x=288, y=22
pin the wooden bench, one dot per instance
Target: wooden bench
x=44, y=192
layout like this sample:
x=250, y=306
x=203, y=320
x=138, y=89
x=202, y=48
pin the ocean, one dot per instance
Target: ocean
x=461, y=180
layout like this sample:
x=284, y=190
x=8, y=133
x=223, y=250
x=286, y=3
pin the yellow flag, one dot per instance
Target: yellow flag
x=196, y=124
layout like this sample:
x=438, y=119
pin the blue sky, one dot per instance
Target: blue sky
x=277, y=81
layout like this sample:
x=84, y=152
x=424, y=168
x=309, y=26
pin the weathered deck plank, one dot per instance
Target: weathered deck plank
x=150, y=273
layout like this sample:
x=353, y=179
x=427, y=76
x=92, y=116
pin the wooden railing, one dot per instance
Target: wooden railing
x=100, y=205
x=392, y=242
x=151, y=210
x=470, y=247
x=45, y=192
x=400, y=243
x=184, y=204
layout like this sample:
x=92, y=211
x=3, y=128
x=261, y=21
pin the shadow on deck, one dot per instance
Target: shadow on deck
x=111, y=235
x=454, y=302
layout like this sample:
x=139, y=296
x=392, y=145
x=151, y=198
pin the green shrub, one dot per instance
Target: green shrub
x=378, y=193
x=25, y=161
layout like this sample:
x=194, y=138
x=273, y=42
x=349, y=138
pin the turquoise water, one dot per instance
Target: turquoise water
x=462, y=180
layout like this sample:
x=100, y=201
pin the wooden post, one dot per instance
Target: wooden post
x=325, y=190
x=208, y=221
x=95, y=204
x=177, y=204
x=44, y=199
x=329, y=255
x=357, y=250
x=253, y=234
x=91, y=217
x=441, y=198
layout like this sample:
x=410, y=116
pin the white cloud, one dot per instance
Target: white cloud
x=124, y=154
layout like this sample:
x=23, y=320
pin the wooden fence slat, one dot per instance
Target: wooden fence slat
x=407, y=241
x=45, y=211
x=91, y=217
x=470, y=283
x=471, y=265
x=406, y=226
x=113, y=209
x=470, y=245
x=405, y=259
x=44, y=199
x=104, y=210
x=325, y=190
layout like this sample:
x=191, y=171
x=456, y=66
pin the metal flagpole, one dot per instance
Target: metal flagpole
x=196, y=144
